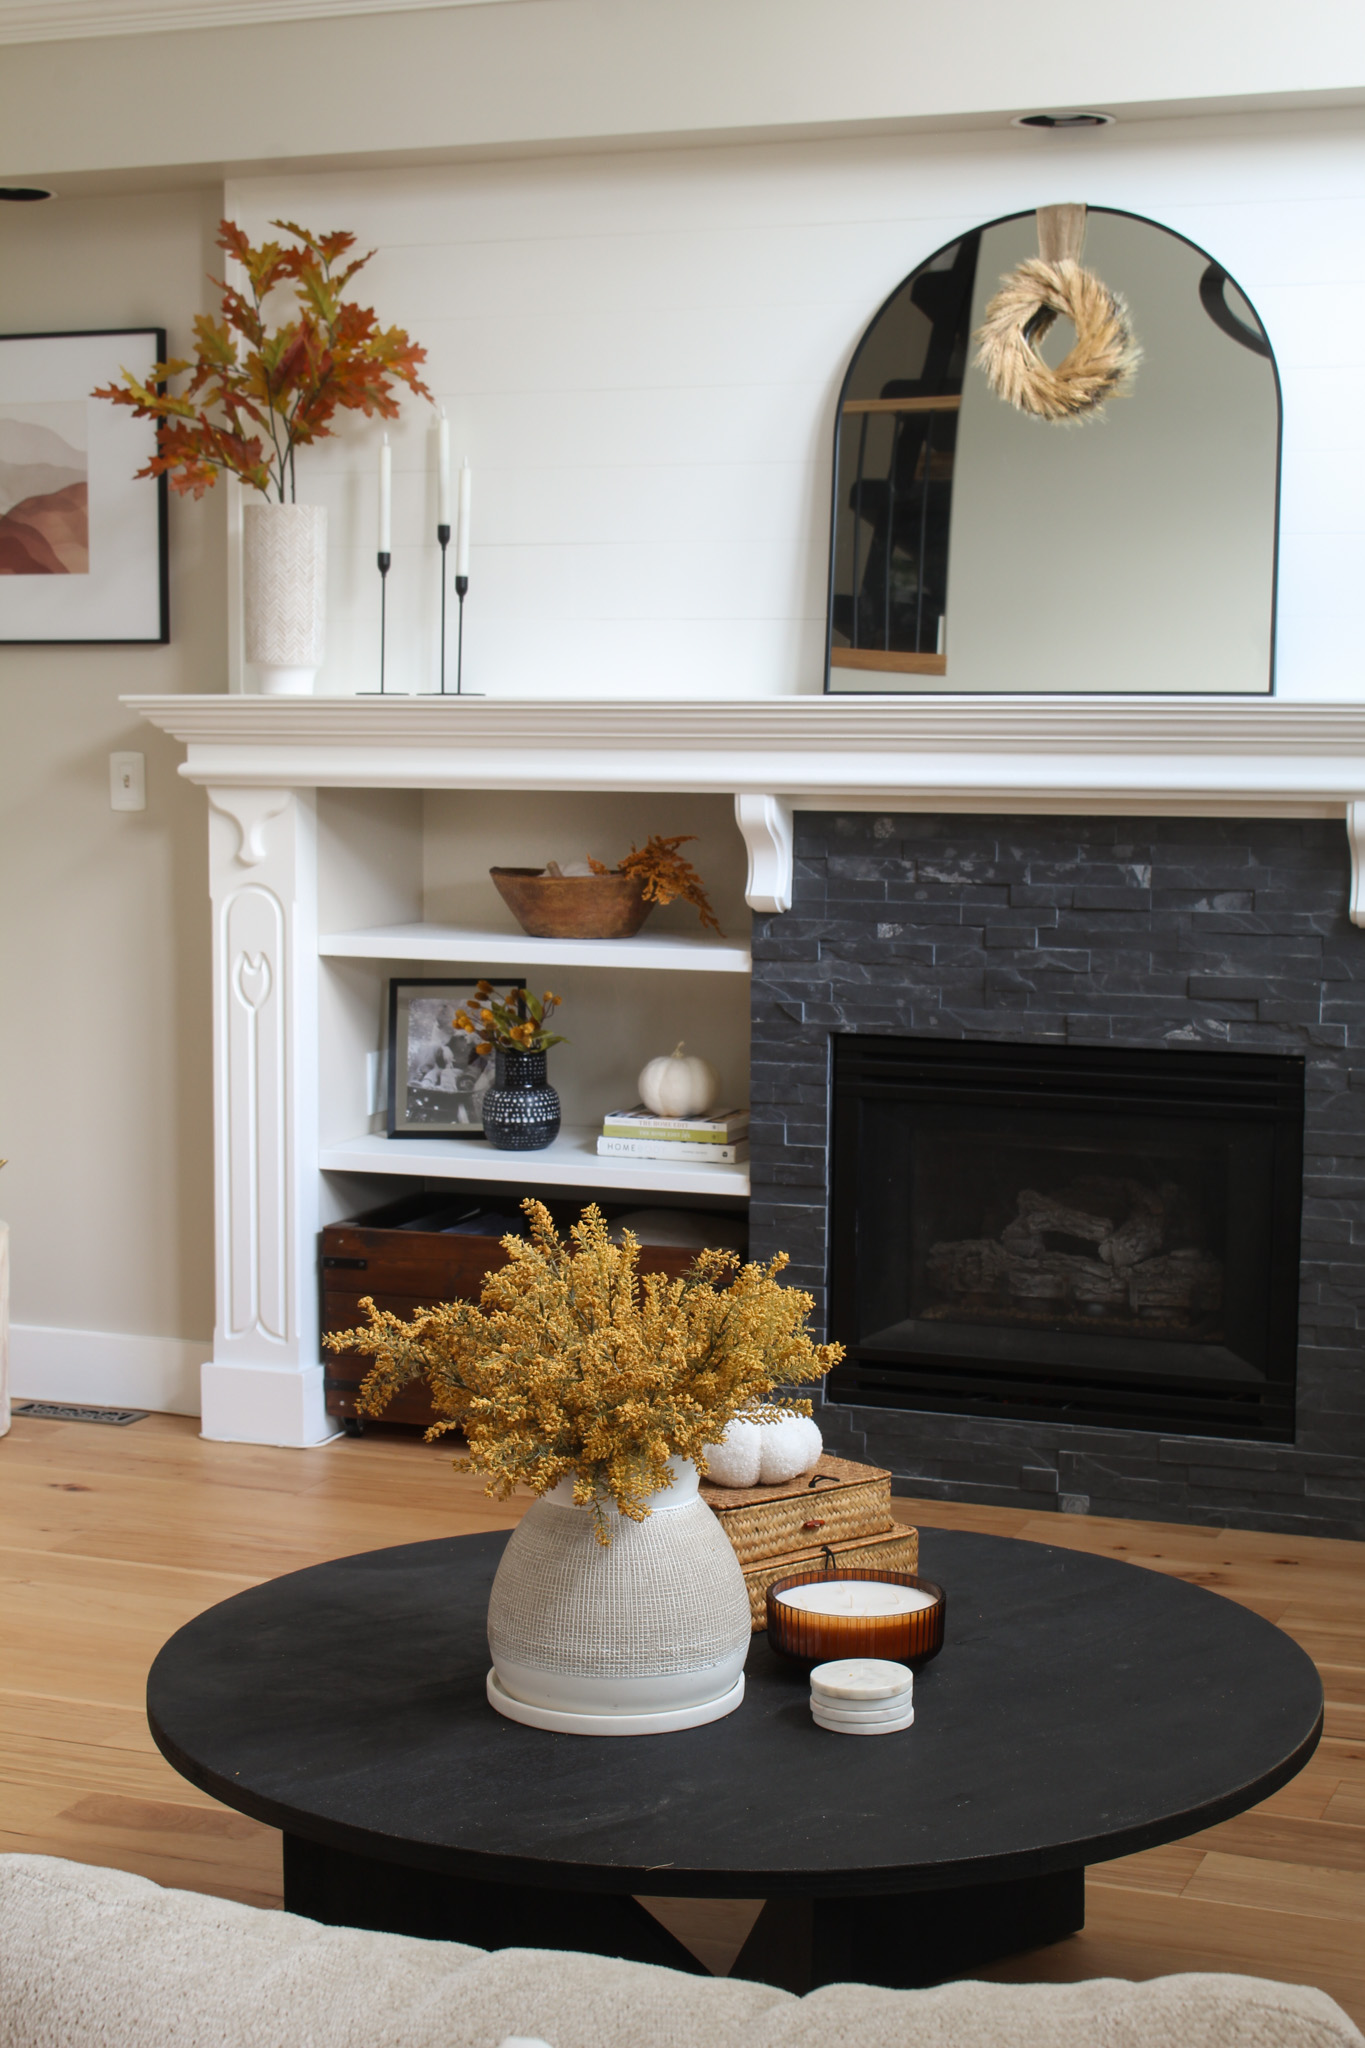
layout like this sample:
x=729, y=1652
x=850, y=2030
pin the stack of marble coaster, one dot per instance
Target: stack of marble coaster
x=862, y=1696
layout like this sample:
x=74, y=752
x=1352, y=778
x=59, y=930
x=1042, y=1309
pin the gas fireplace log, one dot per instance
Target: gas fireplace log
x=1141, y=1234
x=1138, y=1236
x=1064, y=1276
x=973, y=1265
x=1189, y=1280
x=1039, y=1213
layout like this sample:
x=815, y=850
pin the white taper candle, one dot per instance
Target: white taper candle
x=443, y=471
x=462, y=533
x=385, y=497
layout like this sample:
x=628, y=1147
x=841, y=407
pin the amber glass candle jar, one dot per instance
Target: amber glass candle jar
x=831, y=1614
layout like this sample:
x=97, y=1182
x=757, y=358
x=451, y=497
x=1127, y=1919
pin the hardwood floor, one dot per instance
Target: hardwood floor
x=111, y=1538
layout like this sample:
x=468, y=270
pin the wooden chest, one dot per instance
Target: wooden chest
x=832, y=1503
x=410, y=1255
x=839, y=1511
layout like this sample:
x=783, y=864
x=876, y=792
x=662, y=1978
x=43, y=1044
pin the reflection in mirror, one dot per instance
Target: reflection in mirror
x=975, y=548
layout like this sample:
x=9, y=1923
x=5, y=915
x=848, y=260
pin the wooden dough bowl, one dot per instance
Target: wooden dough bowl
x=572, y=906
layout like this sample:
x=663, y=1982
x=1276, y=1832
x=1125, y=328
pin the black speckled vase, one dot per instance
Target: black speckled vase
x=521, y=1109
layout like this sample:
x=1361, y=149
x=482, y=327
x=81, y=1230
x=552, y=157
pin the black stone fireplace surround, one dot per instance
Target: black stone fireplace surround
x=1162, y=934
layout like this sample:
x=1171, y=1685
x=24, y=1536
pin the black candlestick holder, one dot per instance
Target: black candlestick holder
x=461, y=592
x=384, y=561
x=443, y=539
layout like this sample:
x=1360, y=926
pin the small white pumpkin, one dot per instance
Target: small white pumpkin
x=764, y=1453
x=674, y=1086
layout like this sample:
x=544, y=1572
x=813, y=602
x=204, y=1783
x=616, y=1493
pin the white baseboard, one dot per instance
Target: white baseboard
x=106, y=1368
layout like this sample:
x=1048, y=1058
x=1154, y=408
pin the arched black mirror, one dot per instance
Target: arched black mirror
x=977, y=549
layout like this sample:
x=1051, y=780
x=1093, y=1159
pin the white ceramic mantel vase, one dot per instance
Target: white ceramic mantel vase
x=284, y=584
x=641, y=1636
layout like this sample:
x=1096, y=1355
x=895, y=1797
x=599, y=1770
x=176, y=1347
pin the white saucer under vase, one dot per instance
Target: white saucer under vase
x=284, y=588
x=562, y=1722
x=644, y=1635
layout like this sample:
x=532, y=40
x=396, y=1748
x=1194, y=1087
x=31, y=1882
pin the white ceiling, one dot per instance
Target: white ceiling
x=41, y=21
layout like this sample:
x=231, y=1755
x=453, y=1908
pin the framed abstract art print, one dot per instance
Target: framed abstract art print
x=82, y=539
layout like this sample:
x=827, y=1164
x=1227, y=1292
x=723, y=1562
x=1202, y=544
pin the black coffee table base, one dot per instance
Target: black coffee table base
x=345, y=1890
x=902, y=1939
x=906, y=1940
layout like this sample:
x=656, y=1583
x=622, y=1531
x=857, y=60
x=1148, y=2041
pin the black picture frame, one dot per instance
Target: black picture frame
x=414, y=1109
x=115, y=529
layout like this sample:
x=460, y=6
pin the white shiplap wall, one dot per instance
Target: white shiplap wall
x=640, y=354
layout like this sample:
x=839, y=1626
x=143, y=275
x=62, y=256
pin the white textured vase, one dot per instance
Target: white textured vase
x=284, y=583
x=646, y=1634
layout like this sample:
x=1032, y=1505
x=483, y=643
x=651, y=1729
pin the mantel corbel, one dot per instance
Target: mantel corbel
x=1355, y=834
x=250, y=810
x=766, y=825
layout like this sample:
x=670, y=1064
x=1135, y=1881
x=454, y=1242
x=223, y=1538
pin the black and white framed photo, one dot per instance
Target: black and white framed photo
x=437, y=1078
x=82, y=537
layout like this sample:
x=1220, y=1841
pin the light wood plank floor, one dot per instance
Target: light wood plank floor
x=111, y=1538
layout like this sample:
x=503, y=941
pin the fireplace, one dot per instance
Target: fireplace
x=1082, y=1234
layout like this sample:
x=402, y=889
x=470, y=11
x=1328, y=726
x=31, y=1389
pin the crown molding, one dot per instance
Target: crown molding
x=46, y=21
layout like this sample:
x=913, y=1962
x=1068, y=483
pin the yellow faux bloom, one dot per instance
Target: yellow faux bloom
x=574, y=1366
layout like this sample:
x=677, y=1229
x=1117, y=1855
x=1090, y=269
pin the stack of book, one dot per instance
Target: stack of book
x=717, y=1140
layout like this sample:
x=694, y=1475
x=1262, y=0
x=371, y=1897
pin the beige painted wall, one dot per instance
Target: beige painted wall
x=105, y=1108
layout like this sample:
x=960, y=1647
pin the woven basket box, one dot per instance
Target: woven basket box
x=833, y=1502
x=898, y=1552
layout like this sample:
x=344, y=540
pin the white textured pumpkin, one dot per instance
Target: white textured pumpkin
x=764, y=1453
x=675, y=1086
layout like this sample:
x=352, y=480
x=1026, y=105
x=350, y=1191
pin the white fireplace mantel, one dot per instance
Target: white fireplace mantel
x=262, y=761
x=1260, y=757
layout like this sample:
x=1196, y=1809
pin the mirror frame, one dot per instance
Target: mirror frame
x=1209, y=287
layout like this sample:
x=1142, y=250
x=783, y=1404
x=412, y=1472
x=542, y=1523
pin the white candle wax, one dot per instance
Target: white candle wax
x=443, y=471
x=385, y=496
x=462, y=532
x=866, y=1598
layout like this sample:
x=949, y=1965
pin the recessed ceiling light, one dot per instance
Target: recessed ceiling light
x=18, y=194
x=1062, y=121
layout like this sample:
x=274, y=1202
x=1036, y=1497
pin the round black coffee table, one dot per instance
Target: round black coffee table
x=1081, y=1709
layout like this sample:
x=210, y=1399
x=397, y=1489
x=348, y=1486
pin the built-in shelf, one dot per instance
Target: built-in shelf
x=671, y=951
x=572, y=1161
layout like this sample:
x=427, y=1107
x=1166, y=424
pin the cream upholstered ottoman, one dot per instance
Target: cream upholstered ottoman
x=93, y=1958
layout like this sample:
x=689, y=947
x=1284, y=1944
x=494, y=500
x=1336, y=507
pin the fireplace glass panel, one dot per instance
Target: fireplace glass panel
x=1092, y=1234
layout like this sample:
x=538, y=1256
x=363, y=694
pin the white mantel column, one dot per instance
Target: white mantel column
x=265, y=1382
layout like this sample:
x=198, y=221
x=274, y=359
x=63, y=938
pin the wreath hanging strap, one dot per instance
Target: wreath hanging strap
x=1102, y=362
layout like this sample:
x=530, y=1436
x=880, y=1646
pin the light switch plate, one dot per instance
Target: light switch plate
x=127, y=782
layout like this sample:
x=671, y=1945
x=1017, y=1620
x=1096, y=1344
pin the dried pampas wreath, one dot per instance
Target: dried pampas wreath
x=1100, y=365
